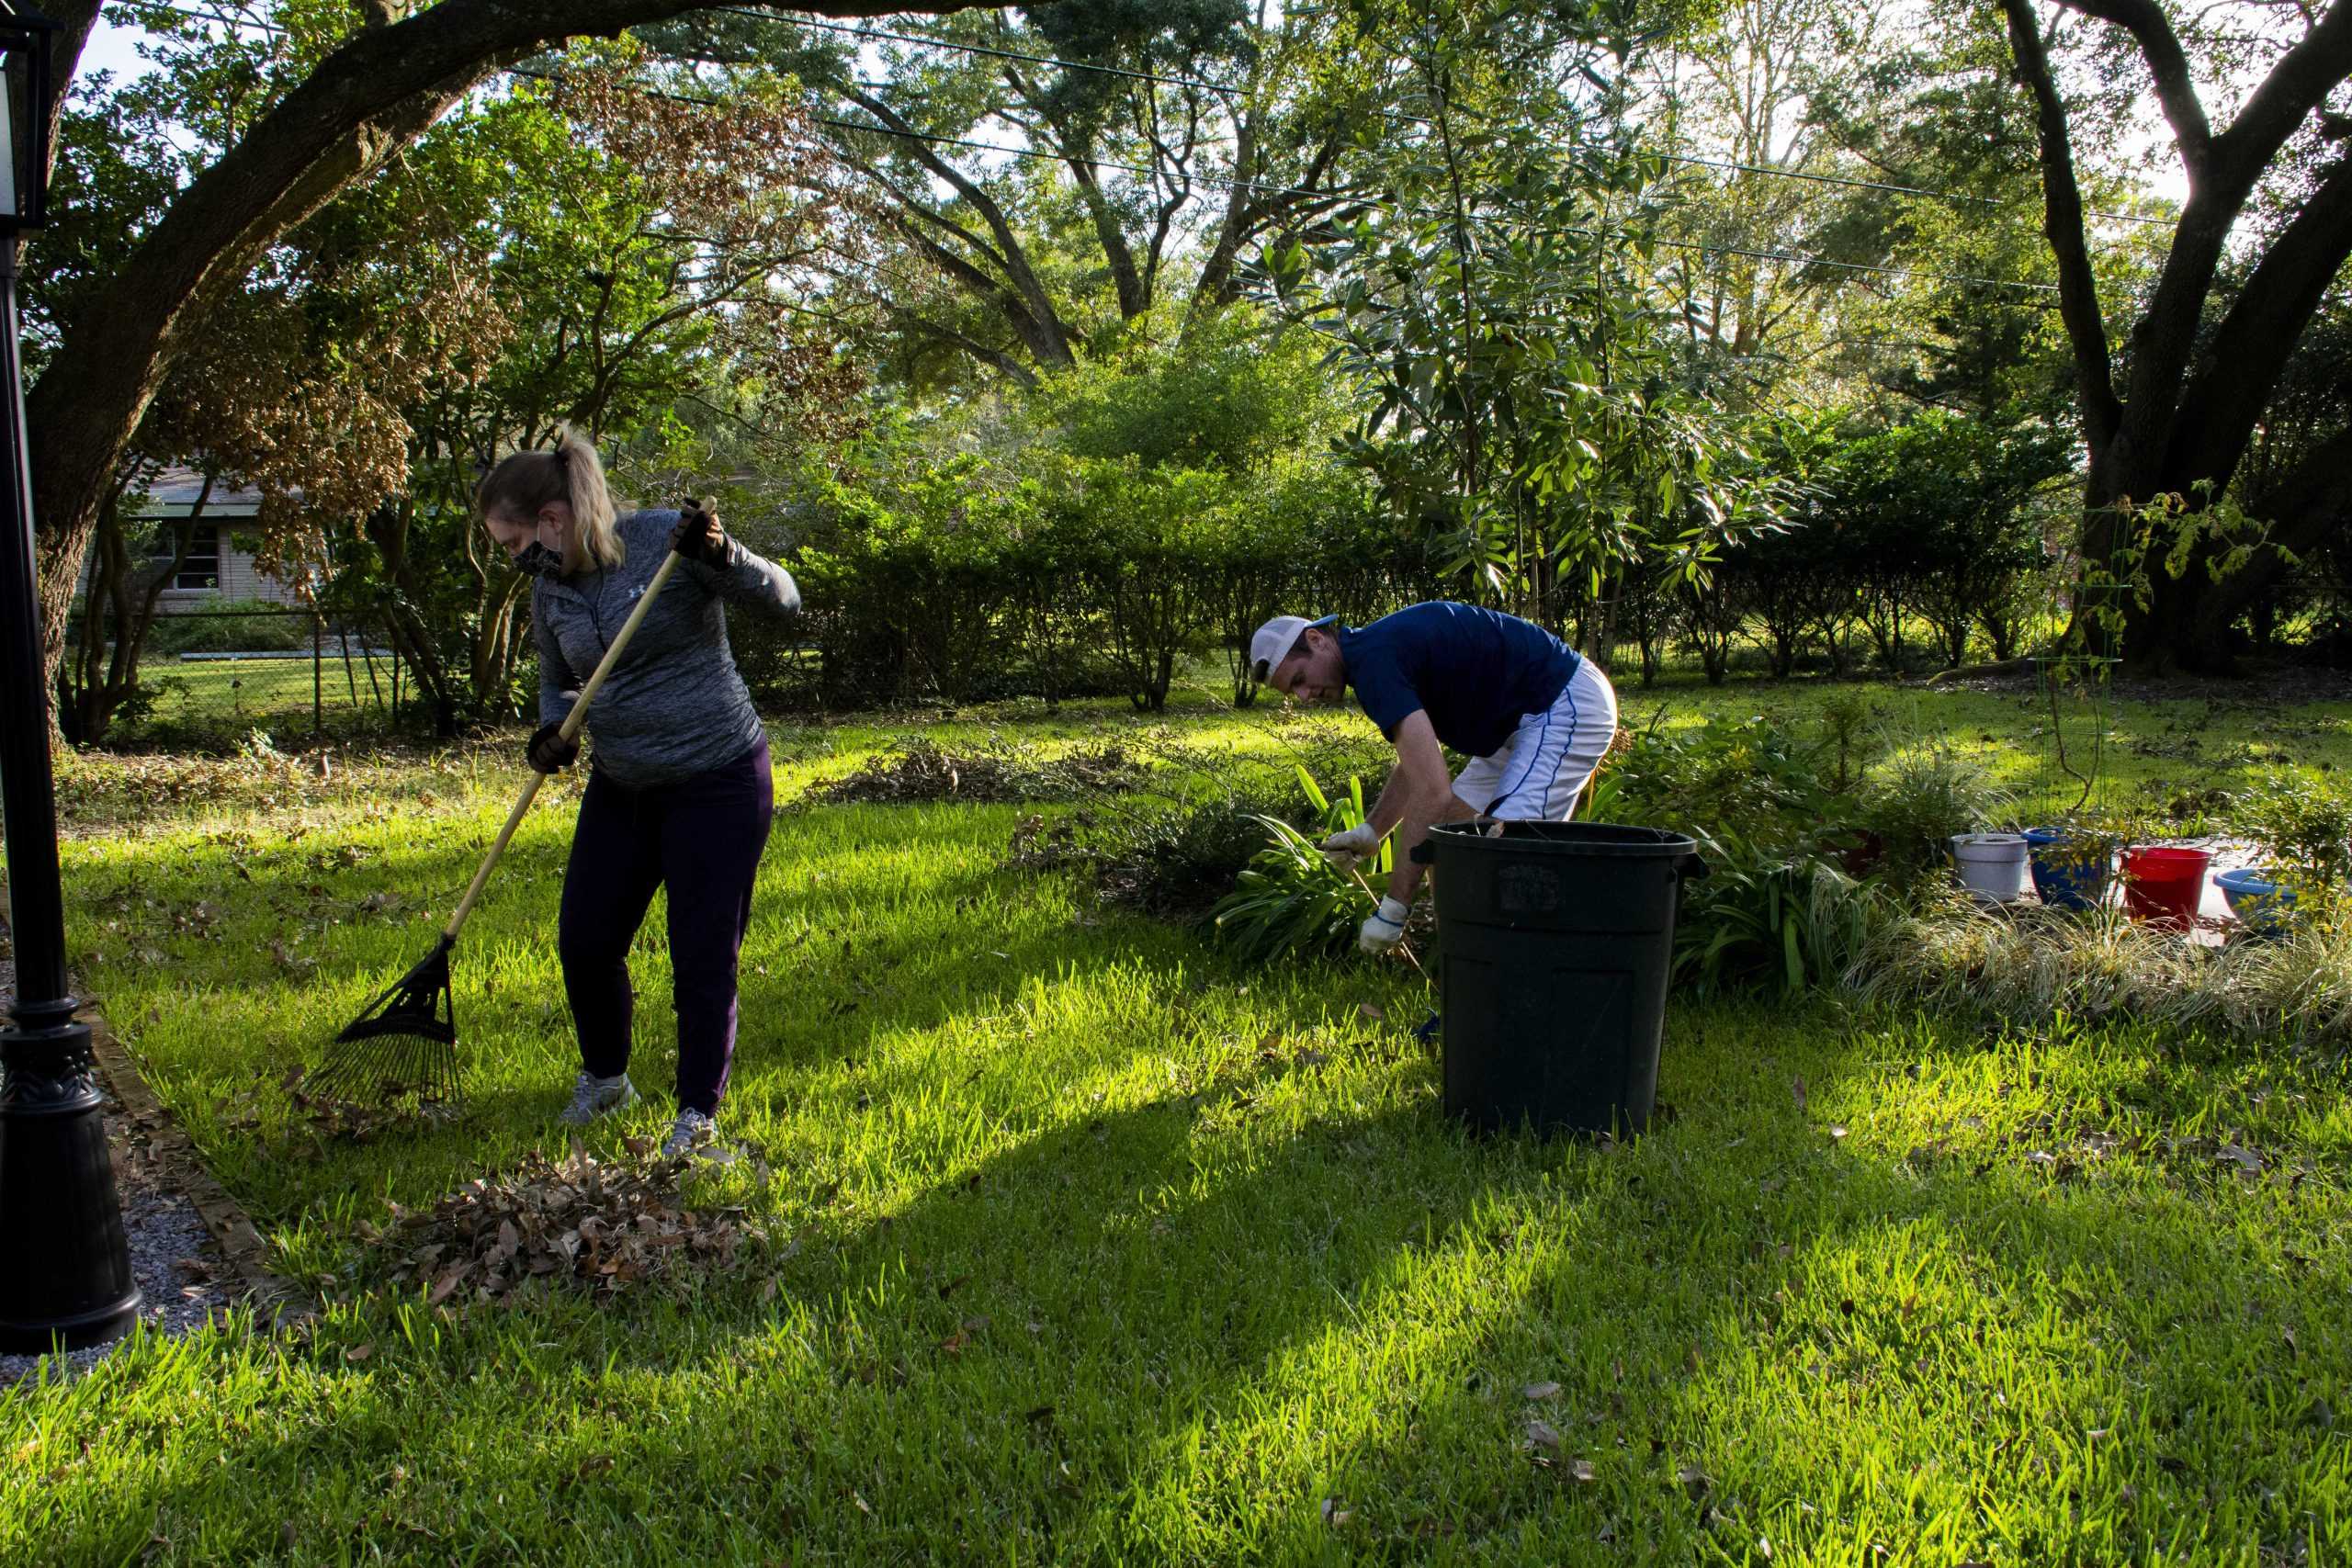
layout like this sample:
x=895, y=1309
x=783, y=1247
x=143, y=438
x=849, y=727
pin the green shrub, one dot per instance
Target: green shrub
x=1918, y=798
x=232, y=625
x=2303, y=825
x=1753, y=780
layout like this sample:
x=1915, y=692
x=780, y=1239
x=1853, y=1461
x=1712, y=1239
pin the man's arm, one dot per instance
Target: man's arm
x=1419, y=792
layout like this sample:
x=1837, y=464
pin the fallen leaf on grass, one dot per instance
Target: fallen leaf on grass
x=1694, y=1480
x=1541, y=1391
x=1541, y=1435
x=1581, y=1470
x=1370, y=1013
x=1797, y=1087
x=1334, y=1515
x=594, y=1464
x=360, y=1352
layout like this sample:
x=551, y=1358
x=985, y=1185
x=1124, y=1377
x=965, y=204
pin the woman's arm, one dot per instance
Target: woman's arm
x=746, y=577
x=558, y=684
x=723, y=567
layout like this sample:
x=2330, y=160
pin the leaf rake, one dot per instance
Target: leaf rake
x=403, y=1048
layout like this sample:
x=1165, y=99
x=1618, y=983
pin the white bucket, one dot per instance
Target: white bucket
x=1992, y=866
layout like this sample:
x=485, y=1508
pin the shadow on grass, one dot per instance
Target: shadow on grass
x=1170, y=1329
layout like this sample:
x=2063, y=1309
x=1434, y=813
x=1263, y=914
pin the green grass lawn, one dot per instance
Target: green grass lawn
x=1083, y=1245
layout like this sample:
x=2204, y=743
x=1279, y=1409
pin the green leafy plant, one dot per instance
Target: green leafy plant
x=2303, y=825
x=1754, y=779
x=1844, y=721
x=1760, y=918
x=1918, y=798
x=1290, y=900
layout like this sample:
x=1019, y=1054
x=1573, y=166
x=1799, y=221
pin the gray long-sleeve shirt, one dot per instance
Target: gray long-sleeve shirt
x=674, y=705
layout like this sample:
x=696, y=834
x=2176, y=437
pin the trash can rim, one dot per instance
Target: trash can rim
x=1597, y=838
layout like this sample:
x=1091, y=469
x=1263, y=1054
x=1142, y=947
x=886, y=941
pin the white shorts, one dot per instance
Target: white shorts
x=1538, y=774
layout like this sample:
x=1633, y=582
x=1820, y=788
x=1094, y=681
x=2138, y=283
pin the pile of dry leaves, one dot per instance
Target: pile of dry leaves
x=604, y=1227
x=921, y=770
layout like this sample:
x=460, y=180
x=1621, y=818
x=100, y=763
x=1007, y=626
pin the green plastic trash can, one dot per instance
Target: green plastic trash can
x=1554, y=944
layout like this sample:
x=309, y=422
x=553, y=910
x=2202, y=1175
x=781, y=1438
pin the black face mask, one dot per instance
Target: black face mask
x=537, y=561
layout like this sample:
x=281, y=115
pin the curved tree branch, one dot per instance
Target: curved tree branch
x=2062, y=197
x=2253, y=343
x=2168, y=65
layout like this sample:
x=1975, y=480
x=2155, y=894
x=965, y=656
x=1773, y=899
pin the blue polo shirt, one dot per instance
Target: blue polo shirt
x=1476, y=672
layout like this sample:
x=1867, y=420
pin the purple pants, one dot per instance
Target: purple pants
x=702, y=838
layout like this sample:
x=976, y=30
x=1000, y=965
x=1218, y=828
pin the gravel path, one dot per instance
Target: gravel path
x=179, y=1273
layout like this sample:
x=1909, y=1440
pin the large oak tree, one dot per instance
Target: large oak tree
x=363, y=101
x=2176, y=411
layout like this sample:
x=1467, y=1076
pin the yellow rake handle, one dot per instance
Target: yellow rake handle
x=571, y=723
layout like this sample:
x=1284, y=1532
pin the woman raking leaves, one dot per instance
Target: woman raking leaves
x=679, y=791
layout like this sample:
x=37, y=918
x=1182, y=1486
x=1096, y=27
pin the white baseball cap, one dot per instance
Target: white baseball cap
x=1271, y=643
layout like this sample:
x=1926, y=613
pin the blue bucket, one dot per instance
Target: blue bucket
x=2263, y=904
x=2068, y=879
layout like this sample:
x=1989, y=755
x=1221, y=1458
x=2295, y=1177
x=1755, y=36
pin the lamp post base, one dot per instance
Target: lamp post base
x=64, y=1262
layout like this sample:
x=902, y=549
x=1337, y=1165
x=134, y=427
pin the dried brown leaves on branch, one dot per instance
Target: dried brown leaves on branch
x=301, y=383
x=602, y=1226
x=752, y=204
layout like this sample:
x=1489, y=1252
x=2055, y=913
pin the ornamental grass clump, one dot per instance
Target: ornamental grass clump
x=1920, y=796
x=2027, y=967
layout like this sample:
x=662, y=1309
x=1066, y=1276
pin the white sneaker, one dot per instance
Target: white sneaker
x=593, y=1096
x=694, y=1129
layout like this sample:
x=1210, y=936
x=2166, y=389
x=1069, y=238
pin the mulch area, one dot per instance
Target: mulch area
x=193, y=1251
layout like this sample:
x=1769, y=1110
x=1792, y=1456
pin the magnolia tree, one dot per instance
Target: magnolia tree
x=1529, y=397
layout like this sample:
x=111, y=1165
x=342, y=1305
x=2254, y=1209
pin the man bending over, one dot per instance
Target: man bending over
x=1533, y=716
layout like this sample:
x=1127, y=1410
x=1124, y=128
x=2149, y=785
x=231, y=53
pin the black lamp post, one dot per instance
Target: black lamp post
x=65, y=1266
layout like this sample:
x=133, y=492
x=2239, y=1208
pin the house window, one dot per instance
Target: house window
x=201, y=567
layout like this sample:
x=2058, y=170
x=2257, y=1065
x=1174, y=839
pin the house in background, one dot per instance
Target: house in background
x=216, y=571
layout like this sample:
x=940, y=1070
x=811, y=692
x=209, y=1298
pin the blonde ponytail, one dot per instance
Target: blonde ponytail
x=595, y=542
x=522, y=482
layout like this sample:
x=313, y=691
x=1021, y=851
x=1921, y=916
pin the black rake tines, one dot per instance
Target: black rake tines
x=404, y=1044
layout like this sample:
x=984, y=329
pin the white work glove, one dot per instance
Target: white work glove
x=1385, y=928
x=1349, y=849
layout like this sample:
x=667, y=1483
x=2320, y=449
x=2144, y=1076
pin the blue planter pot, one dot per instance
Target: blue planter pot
x=2260, y=903
x=2064, y=875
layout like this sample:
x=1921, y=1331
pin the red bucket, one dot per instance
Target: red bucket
x=2163, y=886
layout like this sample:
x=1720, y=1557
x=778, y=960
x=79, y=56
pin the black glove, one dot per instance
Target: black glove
x=548, y=751
x=698, y=535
